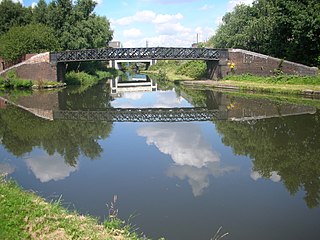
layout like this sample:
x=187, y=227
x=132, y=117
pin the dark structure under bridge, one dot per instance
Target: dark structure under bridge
x=142, y=115
x=213, y=57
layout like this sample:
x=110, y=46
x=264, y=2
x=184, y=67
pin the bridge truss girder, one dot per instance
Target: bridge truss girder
x=157, y=53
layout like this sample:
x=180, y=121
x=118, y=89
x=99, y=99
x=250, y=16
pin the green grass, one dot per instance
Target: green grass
x=274, y=84
x=277, y=79
x=23, y=215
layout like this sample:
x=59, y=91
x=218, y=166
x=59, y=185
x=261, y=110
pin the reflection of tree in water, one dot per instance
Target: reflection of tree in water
x=77, y=98
x=289, y=146
x=21, y=131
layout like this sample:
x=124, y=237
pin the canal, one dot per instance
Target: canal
x=253, y=168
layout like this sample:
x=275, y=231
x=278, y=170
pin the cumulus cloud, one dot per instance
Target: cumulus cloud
x=233, y=3
x=194, y=158
x=132, y=33
x=47, y=168
x=147, y=16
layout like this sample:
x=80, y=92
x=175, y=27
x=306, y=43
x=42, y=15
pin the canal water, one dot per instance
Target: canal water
x=253, y=169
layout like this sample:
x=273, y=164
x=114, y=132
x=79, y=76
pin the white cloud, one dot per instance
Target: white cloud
x=33, y=5
x=140, y=16
x=147, y=16
x=132, y=33
x=47, y=168
x=172, y=29
x=233, y=3
x=166, y=18
x=206, y=7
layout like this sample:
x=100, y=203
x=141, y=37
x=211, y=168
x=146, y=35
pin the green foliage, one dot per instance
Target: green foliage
x=80, y=78
x=282, y=28
x=13, y=14
x=193, y=69
x=12, y=81
x=20, y=131
x=61, y=25
x=32, y=38
x=280, y=145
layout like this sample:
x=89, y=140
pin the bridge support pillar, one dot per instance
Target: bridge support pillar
x=212, y=69
x=61, y=71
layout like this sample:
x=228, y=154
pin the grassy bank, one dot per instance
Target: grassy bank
x=11, y=81
x=277, y=84
x=23, y=215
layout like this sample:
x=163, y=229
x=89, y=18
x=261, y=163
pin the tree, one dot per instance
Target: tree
x=40, y=12
x=286, y=29
x=32, y=38
x=13, y=14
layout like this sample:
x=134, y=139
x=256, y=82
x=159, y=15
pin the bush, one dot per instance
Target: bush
x=193, y=69
x=80, y=78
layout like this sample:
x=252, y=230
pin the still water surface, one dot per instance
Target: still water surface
x=256, y=172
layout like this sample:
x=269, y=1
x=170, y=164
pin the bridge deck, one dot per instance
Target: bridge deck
x=158, y=53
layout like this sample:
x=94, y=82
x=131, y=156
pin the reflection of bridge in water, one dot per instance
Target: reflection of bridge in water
x=219, y=106
x=136, y=84
x=142, y=115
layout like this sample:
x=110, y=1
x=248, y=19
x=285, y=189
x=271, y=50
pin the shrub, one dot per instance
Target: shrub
x=80, y=78
x=193, y=69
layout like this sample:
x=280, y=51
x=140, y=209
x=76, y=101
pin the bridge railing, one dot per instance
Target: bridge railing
x=156, y=53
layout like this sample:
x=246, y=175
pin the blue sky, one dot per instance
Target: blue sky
x=175, y=23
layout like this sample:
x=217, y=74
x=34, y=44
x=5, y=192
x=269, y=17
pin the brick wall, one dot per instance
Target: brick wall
x=263, y=65
x=37, y=71
x=35, y=67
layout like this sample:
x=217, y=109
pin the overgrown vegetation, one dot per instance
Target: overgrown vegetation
x=89, y=73
x=11, y=81
x=287, y=84
x=32, y=38
x=61, y=24
x=180, y=70
x=23, y=215
x=286, y=29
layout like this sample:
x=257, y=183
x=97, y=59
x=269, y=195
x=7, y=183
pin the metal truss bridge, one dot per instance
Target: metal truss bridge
x=142, y=115
x=156, y=53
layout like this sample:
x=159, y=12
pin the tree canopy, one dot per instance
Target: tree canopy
x=287, y=29
x=73, y=25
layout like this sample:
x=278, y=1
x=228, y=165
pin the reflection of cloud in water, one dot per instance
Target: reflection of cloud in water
x=47, y=168
x=168, y=100
x=275, y=177
x=194, y=157
x=198, y=178
x=184, y=142
x=6, y=168
x=150, y=100
x=133, y=95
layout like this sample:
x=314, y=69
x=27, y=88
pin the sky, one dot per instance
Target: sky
x=162, y=23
